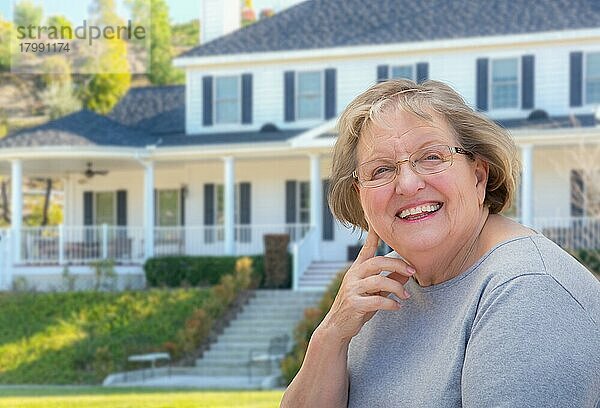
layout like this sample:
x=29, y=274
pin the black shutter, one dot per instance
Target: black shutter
x=576, y=79
x=245, y=212
x=290, y=201
x=88, y=215
x=247, y=98
x=482, y=84
x=122, y=207
x=290, y=111
x=528, y=85
x=577, y=194
x=383, y=72
x=88, y=208
x=182, y=194
x=156, y=209
x=327, y=216
x=207, y=101
x=422, y=72
x=209, y=212
x=330, y=107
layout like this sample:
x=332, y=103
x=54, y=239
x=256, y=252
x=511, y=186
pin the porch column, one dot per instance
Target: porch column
x=229, y=203
x=148, y=209
x=527, y=185
x=316, y=201
x=16, y=207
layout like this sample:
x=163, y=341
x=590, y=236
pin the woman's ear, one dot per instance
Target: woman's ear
x=481, y=176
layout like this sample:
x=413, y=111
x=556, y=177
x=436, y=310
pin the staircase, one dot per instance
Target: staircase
x=320, y=274
x=270, y=313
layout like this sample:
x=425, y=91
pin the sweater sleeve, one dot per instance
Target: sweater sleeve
x=532, y=345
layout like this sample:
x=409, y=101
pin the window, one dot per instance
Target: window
x=105, y=208
x=592, y=78
x=309, y=95
x=168, y=208
x=505, y=83
x=402, y=71
x=219, y=206
x=227, y=100
x=303, y=202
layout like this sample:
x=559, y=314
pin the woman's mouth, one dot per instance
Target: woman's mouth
x=419, y=212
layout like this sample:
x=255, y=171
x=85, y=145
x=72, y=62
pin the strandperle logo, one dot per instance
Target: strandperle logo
x=82, y=32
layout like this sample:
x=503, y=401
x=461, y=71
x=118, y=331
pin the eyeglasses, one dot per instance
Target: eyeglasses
x=429, y=160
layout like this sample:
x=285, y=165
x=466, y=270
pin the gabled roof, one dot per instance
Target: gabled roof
x=155, y=109
x=82, y=128
x=316, y=24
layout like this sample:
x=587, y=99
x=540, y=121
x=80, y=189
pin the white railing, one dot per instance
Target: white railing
x=82, y=244
x=571, y=232
x=303, y=253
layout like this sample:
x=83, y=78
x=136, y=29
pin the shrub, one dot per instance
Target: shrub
x=305, y=328
x=176, y=271
x=277, y=261
x=588, y=257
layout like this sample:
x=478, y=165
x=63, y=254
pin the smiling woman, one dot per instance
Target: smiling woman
x=470, y=308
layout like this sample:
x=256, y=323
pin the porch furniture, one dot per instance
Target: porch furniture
x=151, y=358
x=278, y=348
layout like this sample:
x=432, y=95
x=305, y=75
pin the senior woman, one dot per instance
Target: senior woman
x=471, y=308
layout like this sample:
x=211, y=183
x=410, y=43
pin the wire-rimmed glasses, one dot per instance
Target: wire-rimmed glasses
x=428, y=160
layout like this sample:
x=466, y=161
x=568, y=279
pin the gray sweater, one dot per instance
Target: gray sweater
x=520, y=328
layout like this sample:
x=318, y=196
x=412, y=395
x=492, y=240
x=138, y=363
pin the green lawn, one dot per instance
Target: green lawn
x=92, y=397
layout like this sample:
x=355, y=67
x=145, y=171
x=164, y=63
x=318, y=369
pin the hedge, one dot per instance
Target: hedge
x=185, y=270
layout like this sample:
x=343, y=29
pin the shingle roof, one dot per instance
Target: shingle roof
x=317, y=24
x=155, y=109
x=86, y=128
x=82, y=128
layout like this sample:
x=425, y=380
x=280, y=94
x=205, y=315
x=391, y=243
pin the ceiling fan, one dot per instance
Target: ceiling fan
x=89, y=173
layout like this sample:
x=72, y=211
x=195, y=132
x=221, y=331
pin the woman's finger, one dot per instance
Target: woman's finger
x=369, y=249
x=388, y=265
x=378, y=283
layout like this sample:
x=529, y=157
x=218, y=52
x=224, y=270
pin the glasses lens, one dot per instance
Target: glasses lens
x=432, y=159
x=376, y=172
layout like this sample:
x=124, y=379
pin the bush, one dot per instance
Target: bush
x=590, y=258
x=305, y=328
x=178, y=271
x=277, y=261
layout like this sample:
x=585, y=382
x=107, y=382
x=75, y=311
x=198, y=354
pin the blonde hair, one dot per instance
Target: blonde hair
x=474, y=132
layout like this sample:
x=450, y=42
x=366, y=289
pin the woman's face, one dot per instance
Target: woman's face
x=418, y=213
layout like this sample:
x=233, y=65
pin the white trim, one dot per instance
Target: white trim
x=350, y=52
x=311, y=135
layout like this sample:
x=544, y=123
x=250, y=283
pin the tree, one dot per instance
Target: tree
x=185, y=34
x=105, y=88
x=161, y=70
x=59, y=21
x=27, y=13
x=5, y=33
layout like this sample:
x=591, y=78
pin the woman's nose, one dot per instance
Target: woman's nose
x=408, y=182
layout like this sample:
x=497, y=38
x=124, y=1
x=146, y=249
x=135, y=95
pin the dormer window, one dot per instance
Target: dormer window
x=505, y=83
x=592, y=78
x=227, y=100
x=310, y=95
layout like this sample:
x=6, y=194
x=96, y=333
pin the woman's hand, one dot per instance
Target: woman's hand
x=363, y=290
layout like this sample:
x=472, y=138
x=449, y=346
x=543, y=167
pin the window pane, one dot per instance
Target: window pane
x=592, y=66
x=504, y=96
x=227, y=88
x=220, y=205
x=105, y=208
x=309, y=107
x=309, y=82
x=592, y=91
x=227, y=112
x=168, y=205
x=504, y=70
x=402, y=71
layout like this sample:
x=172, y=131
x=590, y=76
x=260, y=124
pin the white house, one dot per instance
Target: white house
x=244, y=148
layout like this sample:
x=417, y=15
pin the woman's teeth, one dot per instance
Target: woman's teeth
x=428, y=208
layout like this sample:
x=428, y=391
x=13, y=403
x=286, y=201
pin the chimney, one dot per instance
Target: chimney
x=218, y=18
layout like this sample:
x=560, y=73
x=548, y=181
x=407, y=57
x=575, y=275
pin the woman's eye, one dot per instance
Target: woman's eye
x=432, y=157
x=381, y=171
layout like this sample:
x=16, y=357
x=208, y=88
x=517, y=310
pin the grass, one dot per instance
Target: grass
x=80, y=337
x=92, y=397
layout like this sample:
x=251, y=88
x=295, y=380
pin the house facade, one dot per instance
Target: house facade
x=244, y=148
